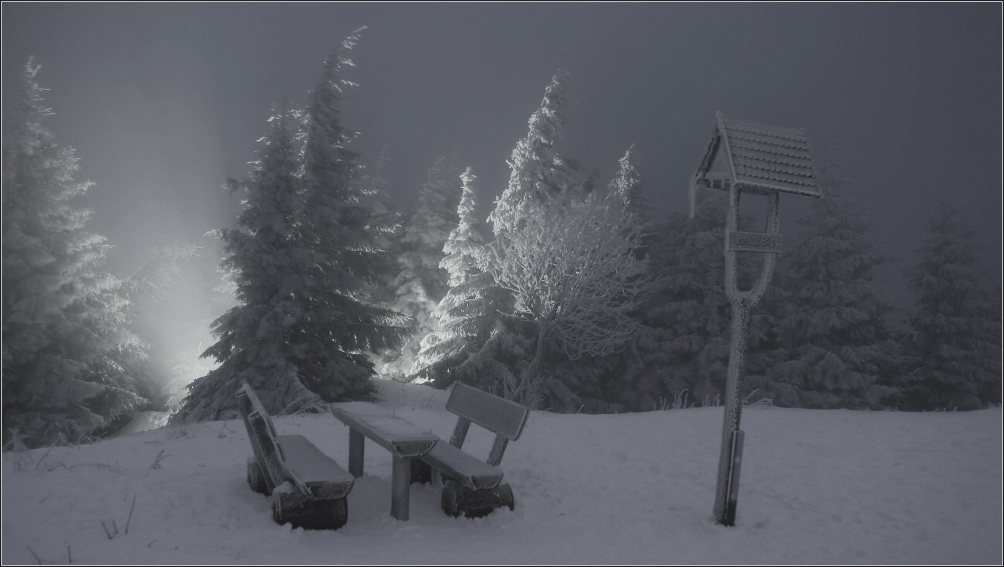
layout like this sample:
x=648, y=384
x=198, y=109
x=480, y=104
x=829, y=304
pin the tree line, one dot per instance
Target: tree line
x=569, y=297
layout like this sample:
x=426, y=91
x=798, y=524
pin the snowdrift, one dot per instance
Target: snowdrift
x=817, y=487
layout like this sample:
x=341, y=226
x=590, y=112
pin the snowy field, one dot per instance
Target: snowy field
x=817, y=487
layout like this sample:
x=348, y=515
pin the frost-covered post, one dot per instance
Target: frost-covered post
x=762, y=160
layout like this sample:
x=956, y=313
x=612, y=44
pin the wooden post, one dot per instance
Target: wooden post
x=357, y=446
x=768, y=243
x=737, y=460
x=400, y=489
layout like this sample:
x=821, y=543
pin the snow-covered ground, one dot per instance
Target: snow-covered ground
x=817, y=487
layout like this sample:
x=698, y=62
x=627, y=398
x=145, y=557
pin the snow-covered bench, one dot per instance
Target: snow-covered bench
x=308, y=488
x=473, y=487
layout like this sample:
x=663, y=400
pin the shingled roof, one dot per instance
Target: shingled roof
x=760, y=158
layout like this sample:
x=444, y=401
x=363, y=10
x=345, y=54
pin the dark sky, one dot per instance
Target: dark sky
x=162, y=102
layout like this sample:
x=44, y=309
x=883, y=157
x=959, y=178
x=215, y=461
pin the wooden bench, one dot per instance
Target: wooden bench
x=473, y=487
x=308, y=488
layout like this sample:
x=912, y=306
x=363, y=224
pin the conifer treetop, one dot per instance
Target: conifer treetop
x=538, y=172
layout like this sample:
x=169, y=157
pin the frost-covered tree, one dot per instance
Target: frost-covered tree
x=572, y=274
x=422, y=283
x=955, y=327
x=344, y=227
x=307, y=257
x=626, y=185
x=537, y=169
x=465, y=316
x=264, y=339
x=595, y=384
x=587, y=277
x=386, y=226
x=683, y=341
x=64, y=321
x=831, y=345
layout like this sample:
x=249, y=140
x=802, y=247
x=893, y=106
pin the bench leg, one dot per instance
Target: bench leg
x=296, y=509
x=421, y=472
x=400, y=487
x=458, y=499
x=256, y=478
x=357, y=444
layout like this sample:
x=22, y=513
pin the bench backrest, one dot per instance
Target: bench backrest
x=502, y=417
x=261, y=432
x=498, y=415
x=254, y=405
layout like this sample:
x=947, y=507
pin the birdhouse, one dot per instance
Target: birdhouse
x=746, y=157
x=757, y=158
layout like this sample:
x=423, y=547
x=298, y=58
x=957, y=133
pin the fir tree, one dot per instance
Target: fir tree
x=626, y=185
x=538, y=172
x=308, y=257
x=64, y=322
x=387, y=230
x=955, y=328
x=422, y=283
x=831, y=345
x=264, y=339
x=683, y=341
x=342, y=226
x=465, y=315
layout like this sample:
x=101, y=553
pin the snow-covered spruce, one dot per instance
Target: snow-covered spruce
x=626, y=185
x=262, y=338
x=422, y=282
x=465, y=316
x=65, y=341
x=828, y=342
x=347, y=231
x=683, y=339
x=306, y=257
x=955, y=328
x=537, y=170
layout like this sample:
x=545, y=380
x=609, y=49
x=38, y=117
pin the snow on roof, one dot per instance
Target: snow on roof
x=759, y=158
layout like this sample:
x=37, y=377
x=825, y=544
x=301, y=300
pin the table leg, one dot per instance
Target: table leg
x=357, y=443
x=400, y=487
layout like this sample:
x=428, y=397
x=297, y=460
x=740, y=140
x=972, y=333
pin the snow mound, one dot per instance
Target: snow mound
x=817, y=487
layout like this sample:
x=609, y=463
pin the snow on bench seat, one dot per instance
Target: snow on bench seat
x=321, y=484
x=466, y=469
x=317, y=474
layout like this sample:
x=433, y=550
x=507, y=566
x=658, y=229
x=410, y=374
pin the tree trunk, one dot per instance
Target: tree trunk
x=532, y=378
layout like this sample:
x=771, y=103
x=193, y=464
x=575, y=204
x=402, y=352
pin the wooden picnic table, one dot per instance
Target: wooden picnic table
x=402, y=438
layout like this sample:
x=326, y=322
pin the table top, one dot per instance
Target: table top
x=392, y=432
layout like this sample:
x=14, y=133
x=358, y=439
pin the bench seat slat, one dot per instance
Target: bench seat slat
x=461, y=466
x=309, y=463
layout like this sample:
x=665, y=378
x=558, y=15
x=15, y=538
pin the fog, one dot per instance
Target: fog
x=163, y=102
